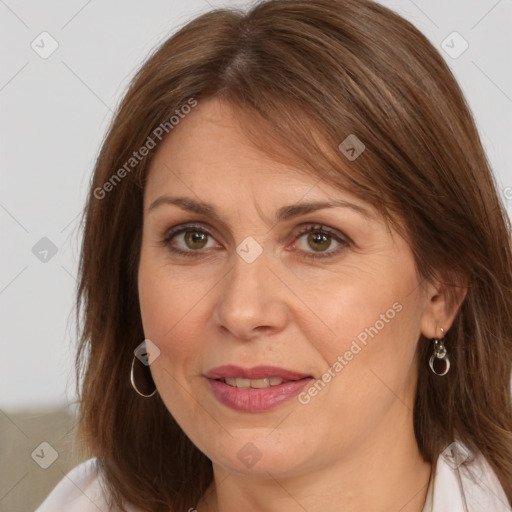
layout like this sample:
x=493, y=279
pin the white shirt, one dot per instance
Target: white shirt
x=453, y=487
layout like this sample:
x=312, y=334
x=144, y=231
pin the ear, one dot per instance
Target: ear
x=442, y=302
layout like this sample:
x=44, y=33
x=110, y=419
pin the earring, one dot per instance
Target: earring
x=440, y=352
x=146, y=387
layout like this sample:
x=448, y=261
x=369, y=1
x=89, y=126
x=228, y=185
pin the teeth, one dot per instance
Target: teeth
x=254, y=383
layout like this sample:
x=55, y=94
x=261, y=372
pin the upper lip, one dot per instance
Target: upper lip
x=256, y=372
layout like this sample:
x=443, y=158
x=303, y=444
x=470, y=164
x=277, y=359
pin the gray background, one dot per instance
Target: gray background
x=54, y=113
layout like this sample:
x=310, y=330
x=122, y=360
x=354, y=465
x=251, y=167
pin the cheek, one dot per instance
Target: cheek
x=168, y=302
x=174, y=315
x=370, y=354
x=377, y=308
x=370, y=344
x=169, y=312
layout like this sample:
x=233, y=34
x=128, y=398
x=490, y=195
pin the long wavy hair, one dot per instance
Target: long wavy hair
x=303, y=76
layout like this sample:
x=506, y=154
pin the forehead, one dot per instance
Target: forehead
x=209, y=143
x=208, y=155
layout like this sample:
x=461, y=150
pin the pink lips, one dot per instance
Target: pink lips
x=255, y=400
x=257, y=372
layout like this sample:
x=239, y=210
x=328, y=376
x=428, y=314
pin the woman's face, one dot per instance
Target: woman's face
x=251, y=287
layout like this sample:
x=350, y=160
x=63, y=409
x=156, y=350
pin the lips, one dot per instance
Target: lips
x=256, y=389
x=257, y=372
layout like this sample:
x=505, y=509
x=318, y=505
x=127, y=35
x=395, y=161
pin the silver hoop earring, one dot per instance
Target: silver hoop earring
x=143, y=373
x=441, y=353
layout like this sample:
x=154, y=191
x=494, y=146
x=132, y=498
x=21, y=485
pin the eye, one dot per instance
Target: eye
x=189, y=240
x=320, y=238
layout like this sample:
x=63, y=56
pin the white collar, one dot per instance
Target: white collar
x=464, y=481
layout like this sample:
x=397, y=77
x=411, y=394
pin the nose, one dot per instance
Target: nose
x=251, y=300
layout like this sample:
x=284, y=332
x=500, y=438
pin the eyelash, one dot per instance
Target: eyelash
x=316, y=228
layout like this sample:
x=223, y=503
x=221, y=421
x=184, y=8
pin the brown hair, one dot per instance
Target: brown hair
x=305, y=74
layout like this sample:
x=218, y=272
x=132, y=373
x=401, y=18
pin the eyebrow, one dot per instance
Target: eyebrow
x=284, y=213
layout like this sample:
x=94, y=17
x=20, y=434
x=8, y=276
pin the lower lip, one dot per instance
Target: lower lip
x=256, y=400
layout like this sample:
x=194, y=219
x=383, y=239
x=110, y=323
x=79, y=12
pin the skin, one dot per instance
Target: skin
x=353, y=443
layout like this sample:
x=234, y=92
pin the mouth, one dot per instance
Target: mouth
x=255, y=389
x=263, y=383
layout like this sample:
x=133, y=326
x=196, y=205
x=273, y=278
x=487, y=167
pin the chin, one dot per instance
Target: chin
x=255, y=453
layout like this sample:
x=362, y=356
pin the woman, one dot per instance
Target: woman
x=296, y=278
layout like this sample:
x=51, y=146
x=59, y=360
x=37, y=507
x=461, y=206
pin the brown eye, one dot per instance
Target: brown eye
x=195, y=239
x=318, y=241
x=188, y=240
x=315, y=242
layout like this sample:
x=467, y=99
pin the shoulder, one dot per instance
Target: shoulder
x=79, y=491
x=464, y=480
